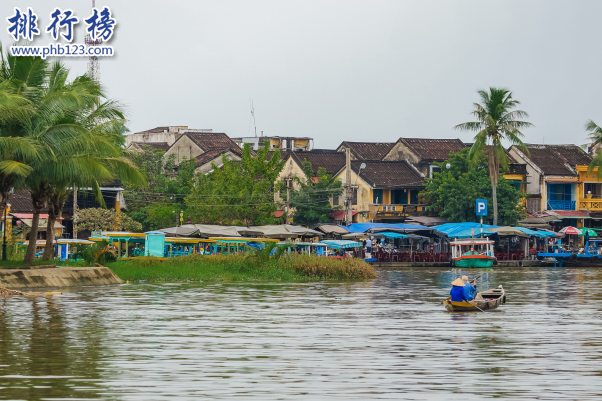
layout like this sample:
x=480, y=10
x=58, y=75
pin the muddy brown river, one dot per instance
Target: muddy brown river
x=387, y=338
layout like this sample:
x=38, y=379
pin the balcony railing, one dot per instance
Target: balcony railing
x=561, y=205
x=384, y=211
x=590, y=204
x=517, y=168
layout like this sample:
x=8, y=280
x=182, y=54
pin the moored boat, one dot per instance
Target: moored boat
x=485, y=300
x=472, y=252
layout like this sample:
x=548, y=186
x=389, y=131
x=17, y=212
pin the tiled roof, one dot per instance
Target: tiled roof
x=368, y=150
x=432, y=149
x=211, y=140
x=331, y=160
x=154, y=130
x=556, y=159
x=211, y=155
x=389, y=174
x=161, y=146
x=20, y=202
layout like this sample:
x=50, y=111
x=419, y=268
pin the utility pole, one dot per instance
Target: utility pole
x=349, y=196
x=288, y=202
x=4, y=235
x=74, y=212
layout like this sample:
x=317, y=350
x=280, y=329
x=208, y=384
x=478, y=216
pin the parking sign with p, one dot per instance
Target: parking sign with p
x=481, y=207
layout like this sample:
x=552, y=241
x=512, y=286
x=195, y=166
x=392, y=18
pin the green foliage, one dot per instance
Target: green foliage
x=454, y=192
x=594, y=140
x=98, y=253
x=154, y=206
x=312, y=201
x=242, y=268
x=95, y=219
x=59, y=135
x=238, y=191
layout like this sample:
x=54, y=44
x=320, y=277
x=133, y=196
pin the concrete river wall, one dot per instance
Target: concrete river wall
x=57, y=277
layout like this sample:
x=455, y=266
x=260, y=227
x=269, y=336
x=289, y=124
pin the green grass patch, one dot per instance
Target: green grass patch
x=242, y=268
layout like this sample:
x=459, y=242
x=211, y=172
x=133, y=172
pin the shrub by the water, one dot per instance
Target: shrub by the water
x=242, y=268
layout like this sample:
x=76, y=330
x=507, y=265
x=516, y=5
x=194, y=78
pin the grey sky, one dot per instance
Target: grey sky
x=346, y=70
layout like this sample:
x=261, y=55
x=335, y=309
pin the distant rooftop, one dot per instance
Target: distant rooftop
x=368, y=150
x=432, y=149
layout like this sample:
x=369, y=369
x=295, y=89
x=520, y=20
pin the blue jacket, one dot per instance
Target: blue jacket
x=469, y=291
x=457, y=294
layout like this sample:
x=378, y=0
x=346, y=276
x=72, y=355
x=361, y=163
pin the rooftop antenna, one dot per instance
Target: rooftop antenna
x=253, y=115
x=93, y=63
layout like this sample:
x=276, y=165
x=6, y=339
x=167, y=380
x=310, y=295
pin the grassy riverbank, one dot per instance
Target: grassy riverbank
x=242, y=268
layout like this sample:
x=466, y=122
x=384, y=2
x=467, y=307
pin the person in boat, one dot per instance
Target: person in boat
x=470, y=289
x=457, y=291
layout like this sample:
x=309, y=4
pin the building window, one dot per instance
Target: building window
x=335, y=201
x=433, y=169
x=354, y=198
x=377, y=196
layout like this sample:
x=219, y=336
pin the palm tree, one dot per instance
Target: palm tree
x=60, y=136
x=595, y=139
x=496, y=121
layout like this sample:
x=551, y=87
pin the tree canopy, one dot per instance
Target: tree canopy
x=311, y=201
x=454, y=192
x=157, y=205
x=239, y=192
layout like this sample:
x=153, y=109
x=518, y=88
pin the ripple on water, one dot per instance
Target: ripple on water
x=385, y=339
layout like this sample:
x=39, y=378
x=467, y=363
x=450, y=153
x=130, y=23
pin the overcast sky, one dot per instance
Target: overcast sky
x=345, y=70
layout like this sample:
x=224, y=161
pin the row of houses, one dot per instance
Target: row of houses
x=386, y=190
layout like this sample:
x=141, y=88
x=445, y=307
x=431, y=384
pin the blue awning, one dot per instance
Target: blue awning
x=533, y=233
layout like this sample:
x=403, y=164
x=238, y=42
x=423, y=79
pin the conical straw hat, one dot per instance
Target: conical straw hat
x=458, y=282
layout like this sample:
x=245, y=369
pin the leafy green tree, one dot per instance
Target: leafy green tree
x=454, y=191
x=239, y=192
x=595, y=140
x=95, y=219
x=496, y=121
x=312, y=201
x=154, y=206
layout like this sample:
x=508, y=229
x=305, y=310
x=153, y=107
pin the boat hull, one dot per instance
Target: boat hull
x=474, y=261
x=484, y=301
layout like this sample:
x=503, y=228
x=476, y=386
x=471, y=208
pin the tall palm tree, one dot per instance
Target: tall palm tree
x=595, y=139
x=81, y=146
x=495, y=121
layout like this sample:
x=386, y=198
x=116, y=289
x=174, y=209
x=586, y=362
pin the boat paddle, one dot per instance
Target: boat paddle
x=475, y=279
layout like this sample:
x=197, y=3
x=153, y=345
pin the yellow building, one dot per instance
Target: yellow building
x=384, y=191
x=285, y=143
x=589, y=190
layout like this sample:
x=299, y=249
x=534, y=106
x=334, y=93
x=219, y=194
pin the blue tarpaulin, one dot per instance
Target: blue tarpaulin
x=392, y=235
x=462, y=230
x=365, y=227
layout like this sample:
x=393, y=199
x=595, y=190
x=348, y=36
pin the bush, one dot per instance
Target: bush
x=242, y=268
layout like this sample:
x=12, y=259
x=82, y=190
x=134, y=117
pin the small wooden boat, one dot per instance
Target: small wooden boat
x=472, y=252
x=486, y=300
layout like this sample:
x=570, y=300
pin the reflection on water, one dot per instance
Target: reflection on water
x=384, y=339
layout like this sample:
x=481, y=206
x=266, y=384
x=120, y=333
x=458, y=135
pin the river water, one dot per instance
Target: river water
x=387, y=338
